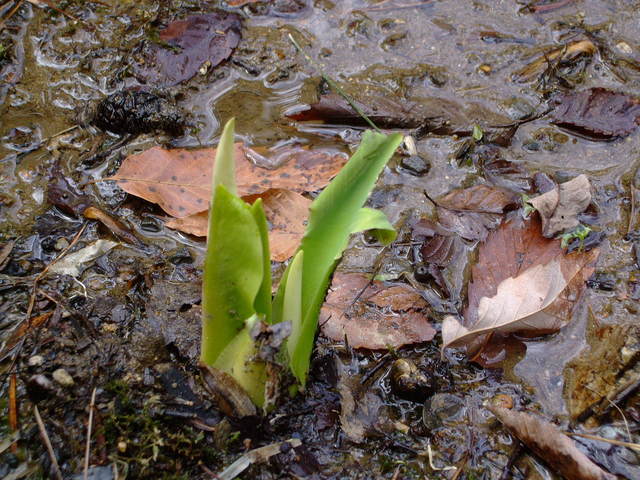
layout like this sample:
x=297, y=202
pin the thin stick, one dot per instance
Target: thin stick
x=632, y=446
x=13, y=408
x=624, y=419
x=11, y=13
x=87, y=450
x=47, y=443
x=334, y=85
x=398, y=7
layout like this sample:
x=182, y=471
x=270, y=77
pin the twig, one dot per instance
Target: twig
x=433, y=467
x=13, y=408
x=398, y=7
x=87, y=450
x=11, y=14
x=47, y=443
x=334, y=85
x=632, y=446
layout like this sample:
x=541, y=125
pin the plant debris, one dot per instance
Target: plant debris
x=597, y=113
x=522, y=282
x=559, y=208
x=187, y=46
x=370, y=315
x=551, y=445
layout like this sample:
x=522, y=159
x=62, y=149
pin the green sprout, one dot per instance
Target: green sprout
x=236, y=296
x=528, y=208
x=477, y=133
x=580, y=232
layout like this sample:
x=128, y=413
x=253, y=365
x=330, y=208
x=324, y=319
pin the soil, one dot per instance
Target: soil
x=127, y=327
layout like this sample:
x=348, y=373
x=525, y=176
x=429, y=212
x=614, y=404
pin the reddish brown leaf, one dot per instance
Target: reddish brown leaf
x=545, y=439
x=597, y=113
x=438, y=244
x=479, y=198
x=286, y=212
x=180, y=180
x=472, y=212
x=378, y=318
x=522, y=282
x=198, y=40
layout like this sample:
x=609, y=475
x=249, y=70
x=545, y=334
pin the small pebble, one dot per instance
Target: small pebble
x=502, y=400
x=415, y=165
x=63, y=378
x=484, y=68
x=39, y=387
x=122, y=446
x=624, y=47
x=35, y=361
x=61, y=244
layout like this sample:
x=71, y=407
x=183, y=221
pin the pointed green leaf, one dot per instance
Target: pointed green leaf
x=263, y=301
x=331, y=221
x=233, y=272
x=224, y=170
x=377, y=222
x=292, y=311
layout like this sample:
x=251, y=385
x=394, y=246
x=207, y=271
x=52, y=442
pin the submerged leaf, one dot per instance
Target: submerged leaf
x=186, y=45
x=370, y=315
x=522, y=282
x=545, y=439
x=597, y=113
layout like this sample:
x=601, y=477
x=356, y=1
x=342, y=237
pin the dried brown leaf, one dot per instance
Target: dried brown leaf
x=568, y=52
x=551, y=445
x=522, y=282
x=180, y=180
x=597, y=113
x=286, y=212
x=559, y=208
x=378, y=317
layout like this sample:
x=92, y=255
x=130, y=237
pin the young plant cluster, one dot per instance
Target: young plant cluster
x=237, y=300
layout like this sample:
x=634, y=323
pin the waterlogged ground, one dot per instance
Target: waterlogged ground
x=128, y=325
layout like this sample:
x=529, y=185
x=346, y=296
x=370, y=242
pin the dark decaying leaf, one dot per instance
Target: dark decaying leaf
x=187, y=45
x=559, y=208
x=429, y=115
x=479, y=198
x=438, y=244
x=558, y=451
x=472, y=212
x=522, y=282
x=597, y=113
x=374, y=316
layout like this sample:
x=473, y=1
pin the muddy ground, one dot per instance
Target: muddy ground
x=128, y=325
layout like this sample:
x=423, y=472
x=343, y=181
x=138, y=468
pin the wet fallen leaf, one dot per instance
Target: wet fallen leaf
x=180, y=180
x=360, y=408
x=567, y=52
x=430, y=115
x=286, y=212
x=438, y=244
x=522, y=282
x=559, y=208
x=379, y=317
x=597, y=113
x=187, y=46
x=74, y=263
x=472, y=212
x=5, y=250
x=479, y=198
x=558, y=451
